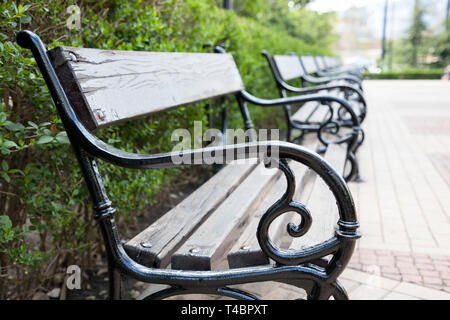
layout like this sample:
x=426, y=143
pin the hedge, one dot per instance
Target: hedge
x=406, y=74
x=45, y=214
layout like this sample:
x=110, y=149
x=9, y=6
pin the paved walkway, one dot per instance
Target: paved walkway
x=404, y=204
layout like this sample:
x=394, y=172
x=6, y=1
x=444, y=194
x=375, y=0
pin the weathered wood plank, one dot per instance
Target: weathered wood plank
x=309, y=64
x=320, y=114
x=154, y=245
x=289, y=67
x=119, y=85
x=246, y=251
x=305, y=112
x=210, y=243
x=320, y=62
x=322, y=204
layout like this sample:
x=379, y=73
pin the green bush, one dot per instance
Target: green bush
x=406, y=74
x=45, y=214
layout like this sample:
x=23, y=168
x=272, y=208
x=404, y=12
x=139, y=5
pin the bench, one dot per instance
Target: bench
x=311, y=74
x=320, y=116
x=247, y=223
x=330, y=67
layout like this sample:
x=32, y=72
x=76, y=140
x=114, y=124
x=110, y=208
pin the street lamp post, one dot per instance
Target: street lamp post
x=446, y=17
x=383, y=41
x=228, y=4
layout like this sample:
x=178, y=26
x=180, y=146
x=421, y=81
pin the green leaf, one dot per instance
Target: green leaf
x=5, y=176
x=5, y=221
x=14, y=126
x=32, y=124
x=26, y=7
x=44, y=140
x=62, y=138
x=9, y=144
x=5, y=165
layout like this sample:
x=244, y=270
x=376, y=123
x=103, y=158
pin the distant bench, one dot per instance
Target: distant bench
x=219, y=235
x=327, y=66
x=320, y=116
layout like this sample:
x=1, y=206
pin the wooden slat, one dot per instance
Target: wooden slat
x=114, y=86
x=320, y=62
x=322, y=204
x=246, y=251
x=304, y=112
x=164, y=236
x=329, y=61
x=289, y=67
x=309, y=64
x=319, y=114
x=209, y=244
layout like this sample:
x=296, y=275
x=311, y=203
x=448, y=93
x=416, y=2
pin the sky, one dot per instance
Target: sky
x=399, y=17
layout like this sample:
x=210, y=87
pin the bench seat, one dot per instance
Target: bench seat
x=154, y=246
x=213, y=223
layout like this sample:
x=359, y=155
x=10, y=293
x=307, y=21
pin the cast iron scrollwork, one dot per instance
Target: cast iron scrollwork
x=283, y=205
x=335, y=246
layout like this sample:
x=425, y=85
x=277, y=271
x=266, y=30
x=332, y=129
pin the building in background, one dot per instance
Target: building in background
x=360, y=24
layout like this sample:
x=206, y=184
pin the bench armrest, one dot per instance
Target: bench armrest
x=318, y=88
x=321, y=80
x=345, y=235
x=299, y=99
x=343, y=87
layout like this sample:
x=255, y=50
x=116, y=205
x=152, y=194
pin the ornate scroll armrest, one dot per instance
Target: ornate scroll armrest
x=340, y=246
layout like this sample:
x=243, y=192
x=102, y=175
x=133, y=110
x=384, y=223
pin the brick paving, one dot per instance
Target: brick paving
x=404, y=205
x=432, y=271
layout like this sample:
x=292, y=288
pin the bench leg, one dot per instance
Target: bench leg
x=115, y=283
x=361, y=140
x=353, y=175
x=326, y=291
x=357, y=177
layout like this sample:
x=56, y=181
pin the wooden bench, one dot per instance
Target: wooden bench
x=331, y=118
x=312, y=74
x=233, y=218
x=331, y=67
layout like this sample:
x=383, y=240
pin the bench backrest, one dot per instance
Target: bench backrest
x=109, y=86
x=332, y=62
x=288, y=66
x=320, y=62
x=309, y=65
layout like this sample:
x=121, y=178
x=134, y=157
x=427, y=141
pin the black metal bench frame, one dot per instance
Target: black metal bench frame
x=294, y=268
x=332, y=122
x=315, y=77
x=335, y=69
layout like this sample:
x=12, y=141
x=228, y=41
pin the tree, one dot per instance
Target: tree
x=442, y=47
x=415, y=32
x=301, y=3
